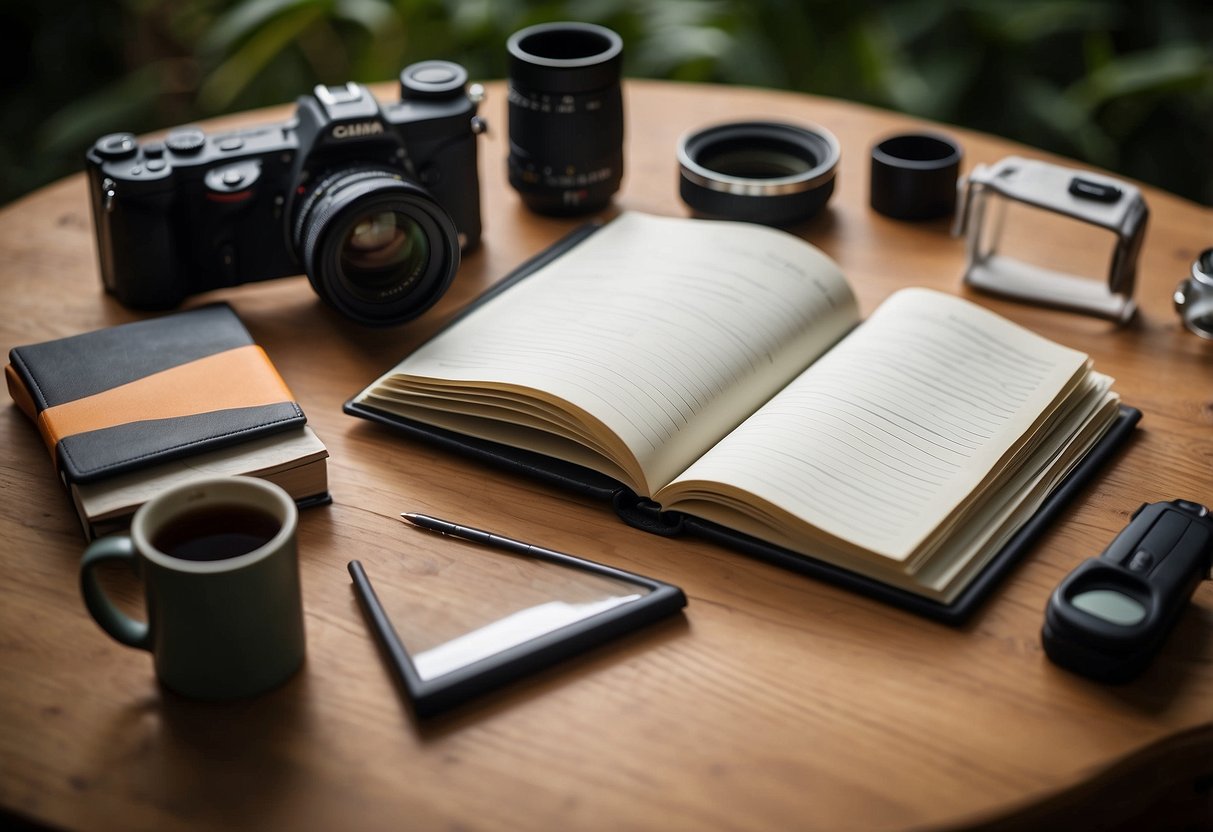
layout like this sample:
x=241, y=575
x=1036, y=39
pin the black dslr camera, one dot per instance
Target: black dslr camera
x=374, y=203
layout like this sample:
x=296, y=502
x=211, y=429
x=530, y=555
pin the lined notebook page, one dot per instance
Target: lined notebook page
x=887, y=433
x=668, y=332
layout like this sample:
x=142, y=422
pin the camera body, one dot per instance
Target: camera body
x=199, y=211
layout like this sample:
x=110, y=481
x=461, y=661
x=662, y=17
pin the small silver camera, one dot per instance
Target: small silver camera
x=991, y=193
x=1194, y=296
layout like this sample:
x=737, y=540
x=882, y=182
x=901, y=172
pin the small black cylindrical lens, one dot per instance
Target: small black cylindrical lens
x=566, y=116
x=375, y=246
x=913, y=176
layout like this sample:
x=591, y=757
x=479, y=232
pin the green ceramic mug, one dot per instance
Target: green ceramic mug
x=219, y=567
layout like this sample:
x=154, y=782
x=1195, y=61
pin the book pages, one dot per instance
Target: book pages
x=880, y=441
x=279, y=457
x=656, y=336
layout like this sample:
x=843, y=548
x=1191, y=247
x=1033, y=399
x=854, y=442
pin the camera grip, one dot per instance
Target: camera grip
x=120, y=626
x=141, y=265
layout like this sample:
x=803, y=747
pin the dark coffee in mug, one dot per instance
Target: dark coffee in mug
x=216, y=532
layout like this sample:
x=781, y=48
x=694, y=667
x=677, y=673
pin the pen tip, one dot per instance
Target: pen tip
x=424, y=521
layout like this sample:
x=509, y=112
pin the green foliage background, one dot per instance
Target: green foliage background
x=1121, y=85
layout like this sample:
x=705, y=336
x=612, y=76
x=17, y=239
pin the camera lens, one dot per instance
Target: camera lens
x=566, y=116
x=757, y=171
x=375, y=246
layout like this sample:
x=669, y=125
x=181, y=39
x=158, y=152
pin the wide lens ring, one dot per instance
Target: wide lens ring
x=758, y=171
x=329, y=216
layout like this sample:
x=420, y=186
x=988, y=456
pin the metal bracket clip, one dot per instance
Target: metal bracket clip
x=1081, y=195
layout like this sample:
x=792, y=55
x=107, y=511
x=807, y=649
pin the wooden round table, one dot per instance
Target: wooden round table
x=774, y=702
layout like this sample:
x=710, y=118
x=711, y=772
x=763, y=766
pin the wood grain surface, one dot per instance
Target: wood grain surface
x=774, y=702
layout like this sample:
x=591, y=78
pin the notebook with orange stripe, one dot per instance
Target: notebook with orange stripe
x=128, y=405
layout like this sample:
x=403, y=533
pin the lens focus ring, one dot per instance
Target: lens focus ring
x=571, y=133
x=375, y=246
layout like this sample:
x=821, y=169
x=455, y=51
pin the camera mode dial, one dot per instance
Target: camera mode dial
x=185, y=140
x=116, y=146
x=432, y=80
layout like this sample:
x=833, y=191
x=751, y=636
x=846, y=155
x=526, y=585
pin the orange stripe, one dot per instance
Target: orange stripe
x=240, y=377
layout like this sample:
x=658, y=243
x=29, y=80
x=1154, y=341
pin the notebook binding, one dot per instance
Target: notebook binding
x=644, y=514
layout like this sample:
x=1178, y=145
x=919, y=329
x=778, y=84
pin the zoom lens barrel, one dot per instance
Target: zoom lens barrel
x=566, y=116
x=375, y=246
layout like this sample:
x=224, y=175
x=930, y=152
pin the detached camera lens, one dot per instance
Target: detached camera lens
x=566, y=116
x=757, y=171
x=376, y=247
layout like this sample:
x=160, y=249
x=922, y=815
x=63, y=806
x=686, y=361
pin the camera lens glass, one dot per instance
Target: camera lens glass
x=375, y=246
x=566, y=116
x=757, y=171
x=384, y=252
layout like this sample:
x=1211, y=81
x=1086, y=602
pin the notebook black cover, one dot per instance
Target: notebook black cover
x=106, y=369
x=648, y=516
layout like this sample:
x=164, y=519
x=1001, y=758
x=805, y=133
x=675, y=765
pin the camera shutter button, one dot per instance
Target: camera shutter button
x=185, y=140
x=1143, y=561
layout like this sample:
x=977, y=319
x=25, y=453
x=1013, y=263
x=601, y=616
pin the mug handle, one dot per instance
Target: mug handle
x=123, y=628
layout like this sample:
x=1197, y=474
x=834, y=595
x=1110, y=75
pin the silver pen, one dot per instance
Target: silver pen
x=496, y=541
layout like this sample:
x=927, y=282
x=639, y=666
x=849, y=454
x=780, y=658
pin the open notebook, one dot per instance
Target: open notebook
x=717, y=379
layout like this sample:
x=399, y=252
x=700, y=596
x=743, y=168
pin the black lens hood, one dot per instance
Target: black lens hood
x=913, y=176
